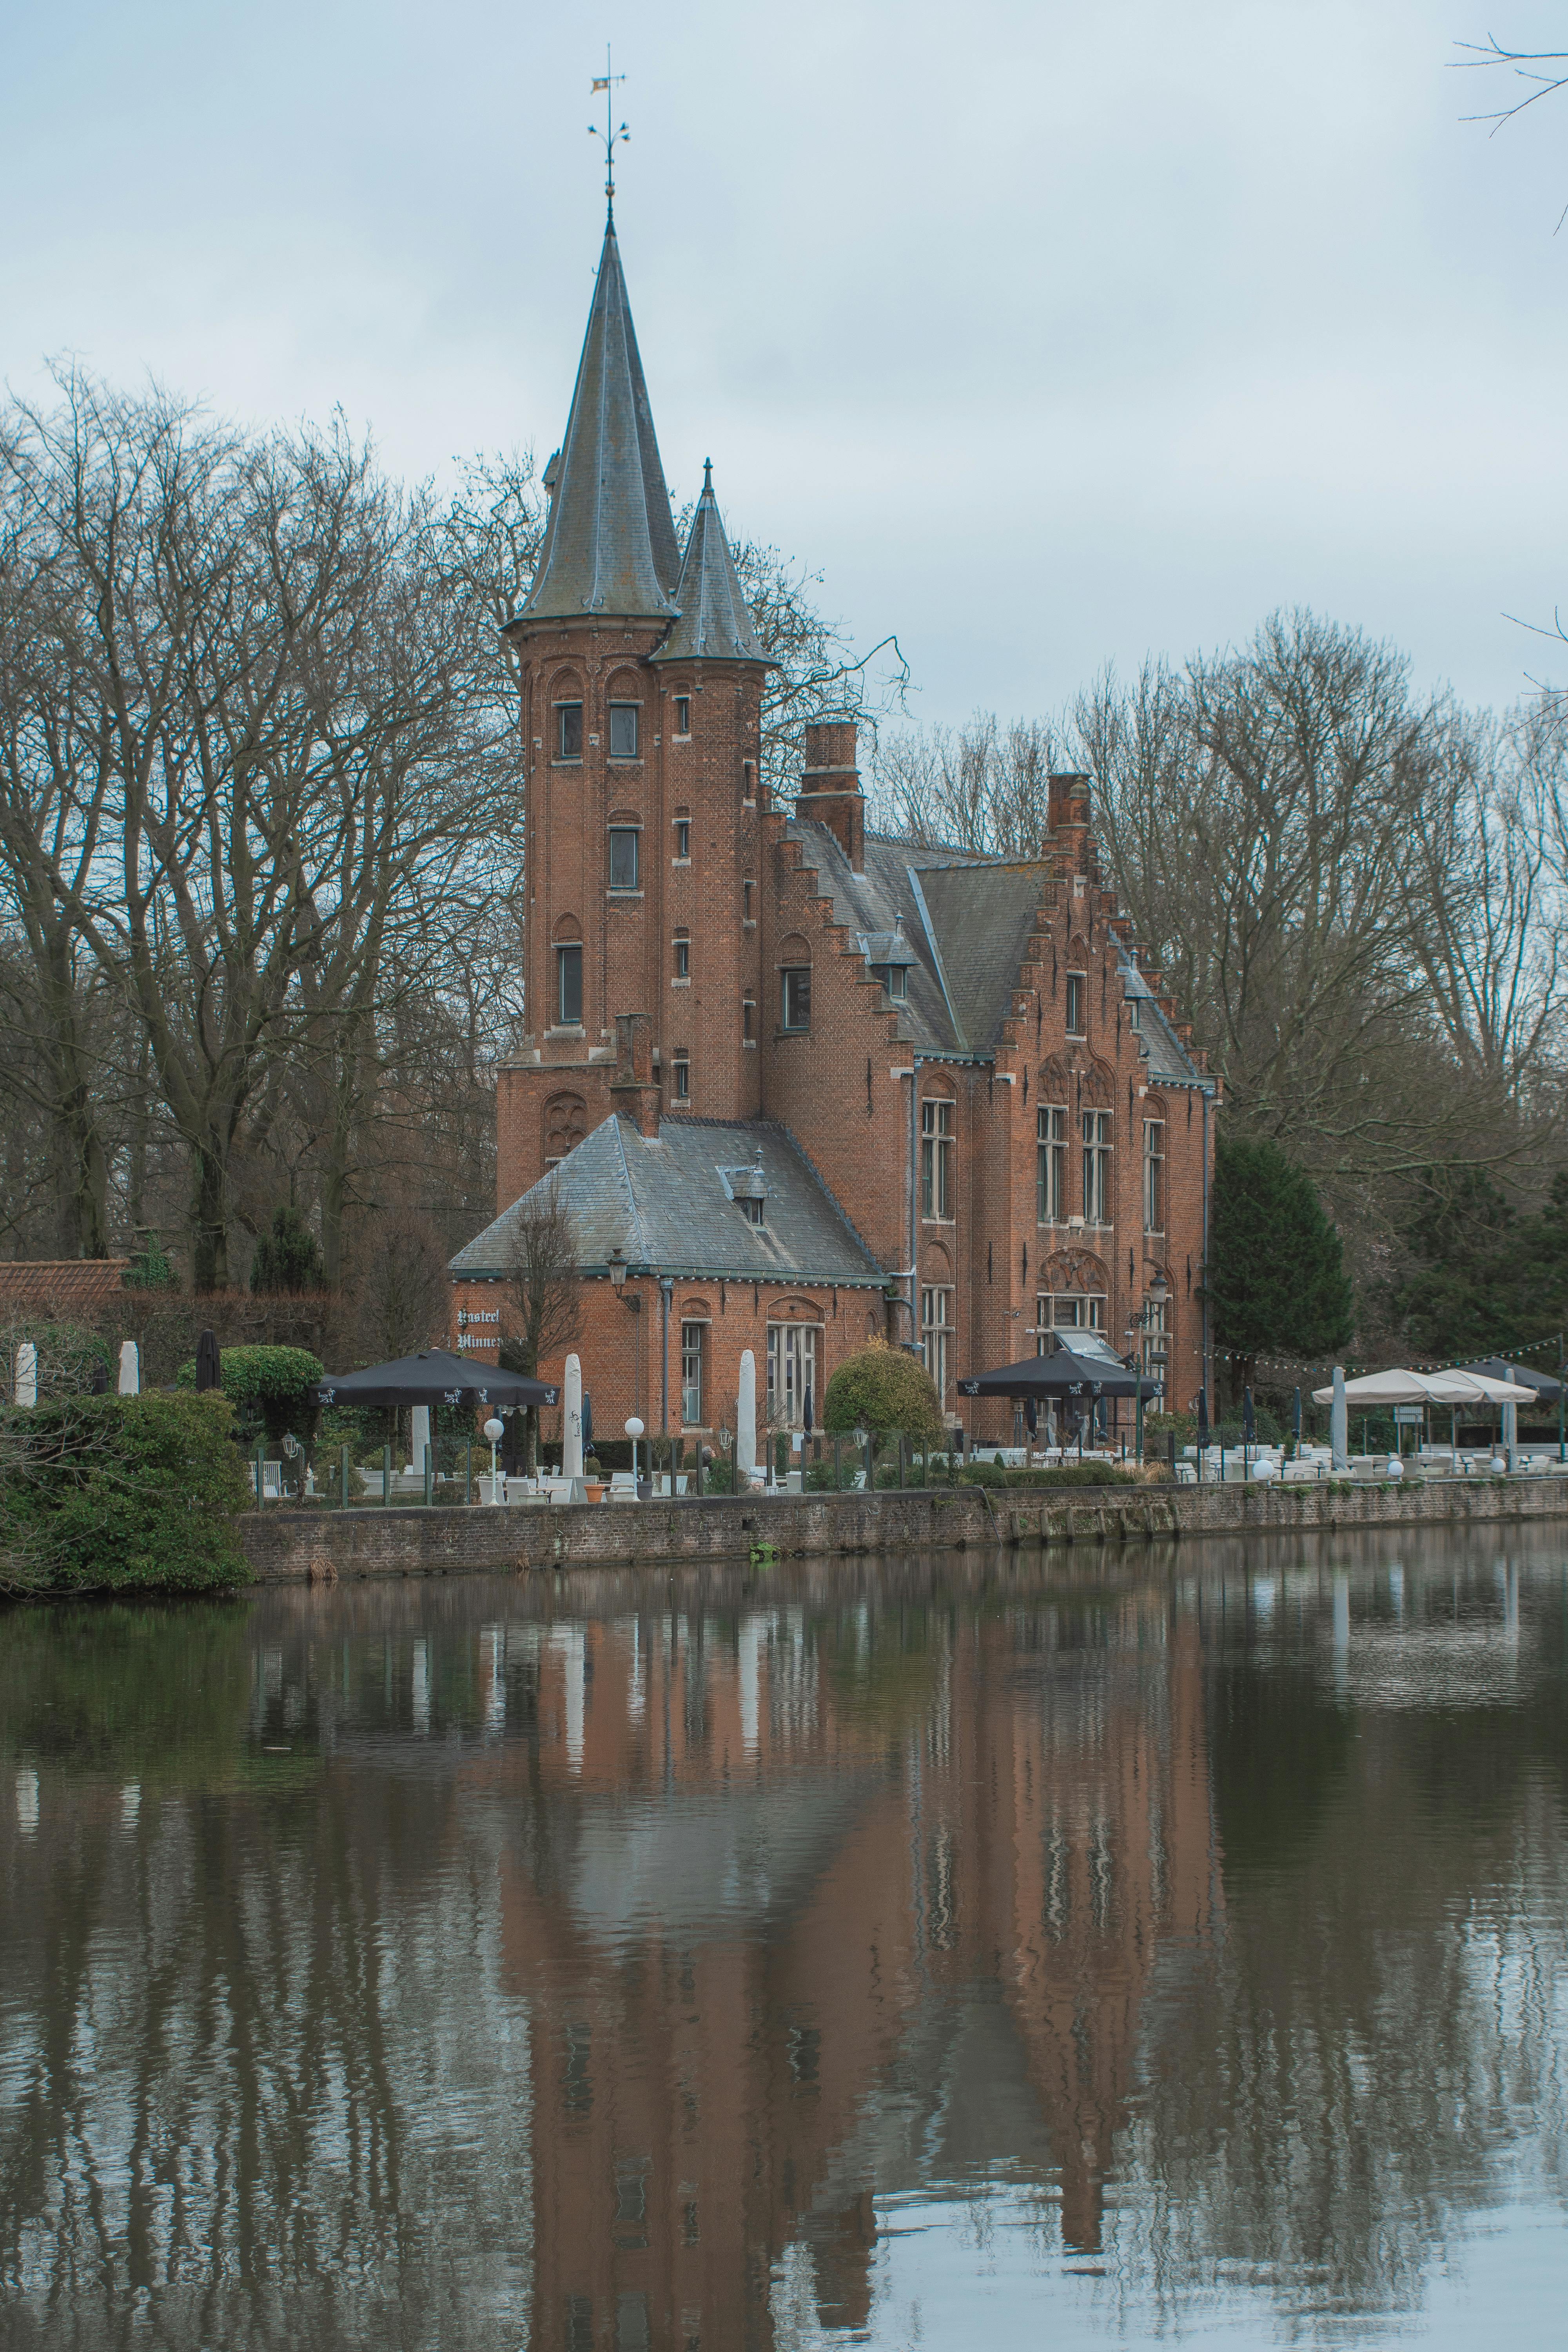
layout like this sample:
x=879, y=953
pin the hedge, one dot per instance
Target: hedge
x=110, y=1493
x=270, y=1382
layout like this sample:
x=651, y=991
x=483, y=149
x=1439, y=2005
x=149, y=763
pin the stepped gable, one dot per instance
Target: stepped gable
x=610, y=544
x=715, y=623
x=663, y=1201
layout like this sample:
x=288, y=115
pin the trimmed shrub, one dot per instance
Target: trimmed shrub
x=1070, y=1474
x=883, y=1390
x=266, y=1383
x=106, y=1494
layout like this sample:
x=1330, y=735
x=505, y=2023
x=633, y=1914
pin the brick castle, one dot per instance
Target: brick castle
x=801, y=1085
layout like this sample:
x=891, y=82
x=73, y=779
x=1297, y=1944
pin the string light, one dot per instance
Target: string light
x=1553, y=1339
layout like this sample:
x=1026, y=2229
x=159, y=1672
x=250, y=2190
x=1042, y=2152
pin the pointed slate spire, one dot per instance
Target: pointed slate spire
x=715, y=623
x=610, y=545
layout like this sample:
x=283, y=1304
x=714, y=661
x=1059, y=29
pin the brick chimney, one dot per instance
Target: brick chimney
x=1067, y=821
x=634, y=1090
x=830, y=786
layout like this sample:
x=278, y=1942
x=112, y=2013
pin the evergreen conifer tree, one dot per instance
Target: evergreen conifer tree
x=1276, y=1279
x=289, y=1257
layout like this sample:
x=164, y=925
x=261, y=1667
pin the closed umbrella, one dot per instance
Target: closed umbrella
x=1338, y=1421
x=209, y=1364
x=587, y=1422
x=807, y=1417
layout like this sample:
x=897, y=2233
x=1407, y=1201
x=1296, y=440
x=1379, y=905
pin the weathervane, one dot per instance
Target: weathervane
x=611, y=136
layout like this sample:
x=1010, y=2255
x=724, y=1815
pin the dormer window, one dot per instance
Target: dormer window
x=568, y=730
x=748, y=1189
x=623, y=731
x=894, y=977
x=683, y=714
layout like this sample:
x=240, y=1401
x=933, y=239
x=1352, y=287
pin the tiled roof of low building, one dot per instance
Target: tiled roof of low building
x=69, y=1289
x=667, y=1201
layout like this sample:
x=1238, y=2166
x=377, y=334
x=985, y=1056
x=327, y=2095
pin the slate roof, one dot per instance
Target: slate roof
x=965, y=920
x=664, y=1203
x=715, y=622
x=610, y=543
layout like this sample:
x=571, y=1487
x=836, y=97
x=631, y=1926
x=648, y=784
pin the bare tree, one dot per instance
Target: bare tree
x=404, y=1295
x=543, y=1310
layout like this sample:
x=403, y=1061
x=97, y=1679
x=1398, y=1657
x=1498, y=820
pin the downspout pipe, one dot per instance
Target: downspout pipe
x=912, y=1190
x=1209, y=1368
x=666, y=1291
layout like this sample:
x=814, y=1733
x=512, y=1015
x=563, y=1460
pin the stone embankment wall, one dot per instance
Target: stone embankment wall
x=288, y=1547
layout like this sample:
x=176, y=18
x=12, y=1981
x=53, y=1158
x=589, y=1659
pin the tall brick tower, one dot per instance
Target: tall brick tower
x=641, y=688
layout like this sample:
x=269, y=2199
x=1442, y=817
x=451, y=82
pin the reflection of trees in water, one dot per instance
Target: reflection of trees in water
x=263, y=2090
x=1375, y=2053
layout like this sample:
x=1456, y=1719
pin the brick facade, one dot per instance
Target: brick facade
x=691, y=929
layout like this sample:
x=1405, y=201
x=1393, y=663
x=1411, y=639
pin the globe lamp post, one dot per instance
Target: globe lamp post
x=493, y=1431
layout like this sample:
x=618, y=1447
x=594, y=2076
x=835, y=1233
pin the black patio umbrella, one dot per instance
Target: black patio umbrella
x=1062, y=1374
x=1249, y=1419
x=807, y=1418
x=587, y=1421
x=1494, y=1368
x=209, y=1366
x=432, y=1377
x=1032, y=1415
x=1202, y=1419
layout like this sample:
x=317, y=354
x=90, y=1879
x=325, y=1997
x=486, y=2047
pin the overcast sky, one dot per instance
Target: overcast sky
x=1051, y=334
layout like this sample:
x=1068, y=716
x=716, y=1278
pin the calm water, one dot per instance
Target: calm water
x=935, y=1953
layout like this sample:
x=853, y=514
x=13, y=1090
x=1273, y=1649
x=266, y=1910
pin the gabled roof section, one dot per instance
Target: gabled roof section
x=981, y=918
x=610, y=544
x=715, y=622
x=670, y=1201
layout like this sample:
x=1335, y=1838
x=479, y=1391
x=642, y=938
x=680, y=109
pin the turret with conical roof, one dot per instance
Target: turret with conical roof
x=640, y=681
x=715, y=620
x=610, y=546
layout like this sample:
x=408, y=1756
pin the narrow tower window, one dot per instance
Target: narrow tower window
x=795, y=996
x=682, y=956
x=623, y=731
x=568, y=730
x=569, y=985
x=623, y=857
x=1078, y=1004
x=936, y=1159
x=683, y=838
x=683, y=714
x=680, y=1085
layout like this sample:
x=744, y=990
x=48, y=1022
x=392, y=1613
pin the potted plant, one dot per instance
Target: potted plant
x=594, y=1478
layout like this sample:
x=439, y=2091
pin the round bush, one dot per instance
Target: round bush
x=885, y=1390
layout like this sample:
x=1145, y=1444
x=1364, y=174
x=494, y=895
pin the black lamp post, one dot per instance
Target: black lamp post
x=1146, y=1320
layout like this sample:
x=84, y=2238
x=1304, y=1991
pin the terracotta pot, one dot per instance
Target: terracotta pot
x=595, y=1492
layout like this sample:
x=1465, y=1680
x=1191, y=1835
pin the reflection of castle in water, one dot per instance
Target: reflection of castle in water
x=799, y=1924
